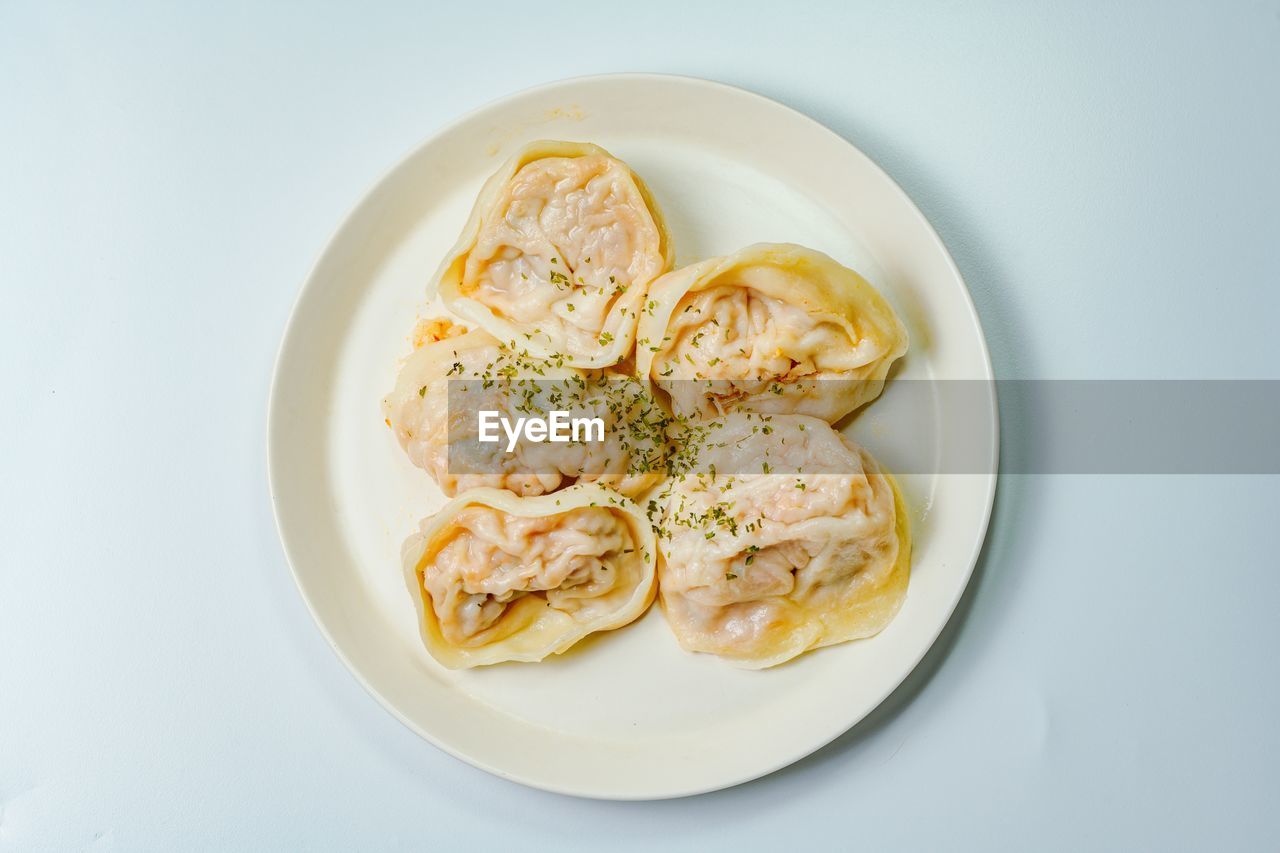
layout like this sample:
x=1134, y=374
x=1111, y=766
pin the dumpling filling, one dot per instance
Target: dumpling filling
x=563, y=254
x=487, y=559
x=772, y=328
x=752, y=347
x=498, y=578
x=440, y=438
x=787, y=538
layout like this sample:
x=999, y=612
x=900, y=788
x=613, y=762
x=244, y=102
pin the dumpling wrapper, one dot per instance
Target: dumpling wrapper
x=760, y=567
x=558, y=254
x=774, y=327
x=418, y=411
x=498, y=578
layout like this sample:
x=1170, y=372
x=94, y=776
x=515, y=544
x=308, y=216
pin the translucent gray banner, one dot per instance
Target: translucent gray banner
x=1138, y=426
x=915, y=427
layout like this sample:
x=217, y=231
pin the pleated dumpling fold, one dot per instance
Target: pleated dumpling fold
x=558, y=254
x=497, y=577
x=786, y=537
x=774, y=327
x=438, y=428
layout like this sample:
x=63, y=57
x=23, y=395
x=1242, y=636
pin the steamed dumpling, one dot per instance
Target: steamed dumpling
x=558, y=253
x=439, y=433
x=785, y=538
x=771, y=328
x=502, y=578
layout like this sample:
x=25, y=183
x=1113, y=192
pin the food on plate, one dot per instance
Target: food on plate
x=783, y=537
x=558, y=253
x=714, y=389
x=498, y=577
x=774, y=327
x=440, y=434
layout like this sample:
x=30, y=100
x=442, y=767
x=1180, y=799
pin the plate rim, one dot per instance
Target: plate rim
x=291, y=331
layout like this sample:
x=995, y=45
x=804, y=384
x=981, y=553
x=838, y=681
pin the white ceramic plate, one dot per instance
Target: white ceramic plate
x=625, y=715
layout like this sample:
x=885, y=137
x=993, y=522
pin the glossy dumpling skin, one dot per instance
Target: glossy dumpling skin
x=498, y=578
x=759, y=568
x=418, y=413
x=558, y=254
x=774, y=327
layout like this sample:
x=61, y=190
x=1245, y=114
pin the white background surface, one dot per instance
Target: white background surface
x=1106, y=180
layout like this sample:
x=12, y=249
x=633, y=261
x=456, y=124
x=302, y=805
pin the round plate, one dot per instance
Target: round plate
x=627, y=714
